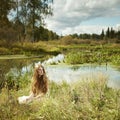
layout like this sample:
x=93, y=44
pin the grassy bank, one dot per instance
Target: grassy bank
x=28, y=48
x=76, y=52
x=84, y=100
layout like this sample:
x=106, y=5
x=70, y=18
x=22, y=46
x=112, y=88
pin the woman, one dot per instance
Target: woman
x=39, y=85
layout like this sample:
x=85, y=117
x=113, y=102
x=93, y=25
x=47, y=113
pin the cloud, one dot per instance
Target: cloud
x=85, y=29
x=88, y=29
x=69, y=14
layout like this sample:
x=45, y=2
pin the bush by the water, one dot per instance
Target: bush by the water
x=94, y=55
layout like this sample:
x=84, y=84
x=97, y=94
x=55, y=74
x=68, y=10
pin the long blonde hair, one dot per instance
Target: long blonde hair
x=40, y=81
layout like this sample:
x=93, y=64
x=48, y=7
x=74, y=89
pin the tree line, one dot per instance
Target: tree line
x=108, y=35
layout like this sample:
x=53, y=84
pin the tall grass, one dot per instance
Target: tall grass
x=81, y=100
x=94, y=54
x=78, y=57
x=76, y=51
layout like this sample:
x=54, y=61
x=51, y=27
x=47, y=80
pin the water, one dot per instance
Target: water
x=72, y=73
x=62, y=72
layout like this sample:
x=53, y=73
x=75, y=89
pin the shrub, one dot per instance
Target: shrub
x=67, y=39
x=16, y=50
x=115, y=59
x=4, y=51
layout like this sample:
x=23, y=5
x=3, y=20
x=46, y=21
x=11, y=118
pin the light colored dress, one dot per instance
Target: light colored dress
x=28, y=99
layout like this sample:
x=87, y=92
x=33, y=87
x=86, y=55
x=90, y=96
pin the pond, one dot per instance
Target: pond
x=72, y=73
x=61, y=71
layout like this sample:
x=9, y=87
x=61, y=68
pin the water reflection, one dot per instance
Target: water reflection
x=14, y=67
x=58, y=73
x=75, y=67
x=70, y=73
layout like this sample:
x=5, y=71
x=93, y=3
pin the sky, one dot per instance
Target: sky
x=84, y=16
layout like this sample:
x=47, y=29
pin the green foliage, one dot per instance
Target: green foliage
x=24, y=22
x=86, y=57
x=93, y=54
x=16, y=51
x=74, y=58
x=17, y=80
x=115, y=59
x=67, y=40
x=5, y=7
x=90, y=99
x=38, y=9
x=76, y=51
x=4, y=51
x=10, y=109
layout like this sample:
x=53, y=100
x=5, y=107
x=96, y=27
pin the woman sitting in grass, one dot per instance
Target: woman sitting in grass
x=39, y=86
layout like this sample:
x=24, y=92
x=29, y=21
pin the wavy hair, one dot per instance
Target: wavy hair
x=40, y=81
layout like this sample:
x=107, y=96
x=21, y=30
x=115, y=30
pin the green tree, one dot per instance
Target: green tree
x=112, y=33
x=95, y=36
x=75, y=35
x=50, y=35
x=34, y=12
x=5, y=7
x=85, y=36
x=6, y=30
x=118, y=36
x=102, y=34
x=108, y=33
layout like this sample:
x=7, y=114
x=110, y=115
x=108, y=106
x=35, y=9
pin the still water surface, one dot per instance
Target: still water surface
x=71, y=73
x=63, y=72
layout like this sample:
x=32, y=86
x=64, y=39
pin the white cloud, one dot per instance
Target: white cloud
x=85, y=29
x=69, y=14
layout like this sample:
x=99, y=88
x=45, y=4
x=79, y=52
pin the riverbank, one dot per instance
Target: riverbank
x=7, y=57
x=93, y=52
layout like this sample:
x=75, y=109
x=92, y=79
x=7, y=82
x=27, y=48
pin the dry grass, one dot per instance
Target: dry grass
x=84, y=100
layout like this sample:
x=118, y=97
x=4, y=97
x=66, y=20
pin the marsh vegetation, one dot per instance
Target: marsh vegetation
x=82, y=98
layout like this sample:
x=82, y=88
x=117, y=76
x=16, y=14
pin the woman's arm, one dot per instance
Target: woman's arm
x=30, y=97
x=39, y=96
